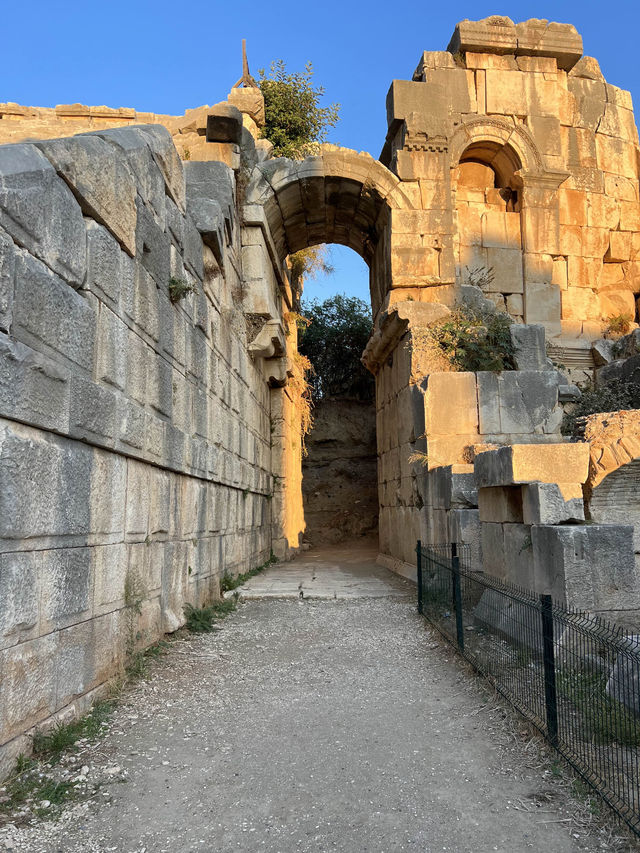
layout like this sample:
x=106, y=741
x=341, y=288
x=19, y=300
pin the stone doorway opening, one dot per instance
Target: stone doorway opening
x=339, y=466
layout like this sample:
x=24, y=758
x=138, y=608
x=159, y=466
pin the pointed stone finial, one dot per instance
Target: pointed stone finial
x=246, y=80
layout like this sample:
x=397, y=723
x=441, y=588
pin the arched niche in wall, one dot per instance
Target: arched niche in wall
x=527, y=266
x=488, y=244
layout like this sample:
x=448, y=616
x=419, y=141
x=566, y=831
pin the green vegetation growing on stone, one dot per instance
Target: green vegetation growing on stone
x=295, y=123
x=64, y=736
x=229, y=582
x=202, y=620
x=612, y=397
x=475, y=340
x=178, y=289
x=619, y=324
x=333, y=342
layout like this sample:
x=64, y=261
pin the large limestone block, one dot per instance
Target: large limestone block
x=541, y=230
x=89, y=654
x=56, y=487
x=138, y=143
x=450, y=449
x=39, y=212
x=552, y=503
x=530, y=346
x=579, y=303
x=528, y=401
x=210, y=189
x=542, y=303
x=506, y=93
x=465, y=529
x=518, y=555
x=496, y=34
x=451, y=404
x=507, y=268
x=500, y=504
x=28, y=685
x=524, y=463
x=51, y=317
x=109, y=269
x=19, y=597
x=7, y=270
x=66, y=583
x=451, y=486
x=33, y=389
x=518, y=402
x=193, y=248
x=101, y=180
x=224, y=124
x=547, y=38
x=617, y=156
x=130, y=146
x=492, y=542
x=613, y=303
x=589, y=567
x=111, y=356
x=250, y=101
x=152, y=246
x=448, y=91
x=93, y=412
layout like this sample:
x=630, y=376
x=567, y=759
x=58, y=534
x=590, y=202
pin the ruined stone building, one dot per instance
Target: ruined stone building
x=149, y=385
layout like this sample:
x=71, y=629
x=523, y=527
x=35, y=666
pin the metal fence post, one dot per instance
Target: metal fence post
x=419, y=567
x=548, y=657
x=457, y=594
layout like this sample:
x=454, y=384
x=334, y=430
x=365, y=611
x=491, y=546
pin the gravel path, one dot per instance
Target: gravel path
x=311, y=726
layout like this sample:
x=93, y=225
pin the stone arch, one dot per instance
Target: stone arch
x=339, y=196
x=516, y=234
x=500, y=135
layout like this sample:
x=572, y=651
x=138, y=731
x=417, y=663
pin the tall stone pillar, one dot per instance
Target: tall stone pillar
x=544, y=272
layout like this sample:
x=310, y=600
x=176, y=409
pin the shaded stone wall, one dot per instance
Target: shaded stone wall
x=135, y=438
x=339, y=472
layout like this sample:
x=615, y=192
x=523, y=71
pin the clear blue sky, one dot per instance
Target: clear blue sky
x=166, y=57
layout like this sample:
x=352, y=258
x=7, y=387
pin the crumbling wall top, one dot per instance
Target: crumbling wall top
x=535, y=37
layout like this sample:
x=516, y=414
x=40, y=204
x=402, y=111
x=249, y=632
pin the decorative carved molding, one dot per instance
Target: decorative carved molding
x=494, y=128
x=269, y=342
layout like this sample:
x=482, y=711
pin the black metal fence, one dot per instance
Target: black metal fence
x=574, y=676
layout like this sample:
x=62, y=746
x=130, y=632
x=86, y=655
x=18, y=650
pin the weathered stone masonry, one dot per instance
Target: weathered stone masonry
x=135, y=434
x=147, y=445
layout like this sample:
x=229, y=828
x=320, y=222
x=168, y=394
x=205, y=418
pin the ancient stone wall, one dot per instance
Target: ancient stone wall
x=523, y=161
x=339, y=473
x=136, y=404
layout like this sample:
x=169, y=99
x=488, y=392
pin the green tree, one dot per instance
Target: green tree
x=296, y=124
x=334, y=340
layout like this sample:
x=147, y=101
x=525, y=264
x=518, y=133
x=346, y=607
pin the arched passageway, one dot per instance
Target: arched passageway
x=340, y=196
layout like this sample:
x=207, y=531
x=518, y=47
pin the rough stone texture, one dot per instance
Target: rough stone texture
x=529, y=342
x=339, y=473
x=522, y=463
x=513, y=157
x=612, y=493
x=623, y=684
x=106, y=194
x=52, y=232
x=544, y=503
x=135, y=439
x=590, y=567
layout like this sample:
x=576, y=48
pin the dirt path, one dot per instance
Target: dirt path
x=305, y=725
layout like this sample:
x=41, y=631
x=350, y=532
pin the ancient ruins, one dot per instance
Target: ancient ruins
x=149, y=379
